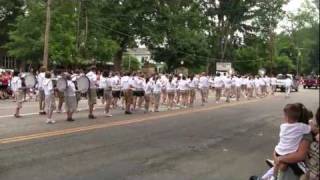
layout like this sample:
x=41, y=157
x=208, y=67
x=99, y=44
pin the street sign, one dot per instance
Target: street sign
x=224, y=66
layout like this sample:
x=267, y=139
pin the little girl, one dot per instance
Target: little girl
x=291, y=132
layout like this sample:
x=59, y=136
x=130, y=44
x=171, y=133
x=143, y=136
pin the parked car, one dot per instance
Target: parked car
x=281, y=84
x=311, y=81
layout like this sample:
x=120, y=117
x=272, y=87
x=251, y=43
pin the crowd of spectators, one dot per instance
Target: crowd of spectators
x=5, y=78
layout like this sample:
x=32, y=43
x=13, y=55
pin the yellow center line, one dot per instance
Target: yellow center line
x=113, y=124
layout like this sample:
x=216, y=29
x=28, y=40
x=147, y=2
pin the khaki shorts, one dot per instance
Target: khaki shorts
x=192, y=92
x=107, y=95
x=128, y=96
x=19, y=98
x=92, y=97
x=78, y=96
x=70, y=103
x=61, y=96
x=41, y=95
x=50, y=102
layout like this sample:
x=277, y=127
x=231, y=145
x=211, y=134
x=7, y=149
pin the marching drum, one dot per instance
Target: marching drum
x=83, y=84
x=30, y=81
x=62, y=84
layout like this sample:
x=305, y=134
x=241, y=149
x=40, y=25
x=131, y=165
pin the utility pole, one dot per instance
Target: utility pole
x=46, y=35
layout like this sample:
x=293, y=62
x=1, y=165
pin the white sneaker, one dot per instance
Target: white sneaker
x=48, y=121
x=109, y=115
x=53, y=121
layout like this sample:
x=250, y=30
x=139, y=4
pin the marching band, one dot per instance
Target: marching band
x=133, y=91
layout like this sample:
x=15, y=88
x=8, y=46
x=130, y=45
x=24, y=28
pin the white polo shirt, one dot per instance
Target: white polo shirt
x=115, y=83
x=238, y=82
x=157, y=87
x=93, y=79
x=127, y=83
x=16, y=84
x=40, y=79
x=203, y=82
x=218, y=82
x=71, y=90
x=227, y=82
x=183, y=85
x=48, y=87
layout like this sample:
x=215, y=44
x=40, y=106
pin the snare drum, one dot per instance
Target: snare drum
x=30, y=81
x=83, y=84
x=62, y=84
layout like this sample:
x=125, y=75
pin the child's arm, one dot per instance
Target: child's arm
x=298, y=156
x=277, y=164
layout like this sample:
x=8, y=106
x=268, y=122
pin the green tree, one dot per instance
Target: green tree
x=269, y=14
x=130, y=63
x=9, y=10
x=26, y=38
x=300, y=39
x=284, y=65
x=178, y=35
x=70, y=43
x=227, y=19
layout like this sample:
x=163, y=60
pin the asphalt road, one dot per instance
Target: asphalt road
x=215, y=142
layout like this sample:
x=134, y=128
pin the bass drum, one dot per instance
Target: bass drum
x=30, y=81
x=83, y=84
x=62, y=84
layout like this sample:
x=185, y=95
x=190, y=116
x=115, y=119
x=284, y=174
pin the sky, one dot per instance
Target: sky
x=292, y=7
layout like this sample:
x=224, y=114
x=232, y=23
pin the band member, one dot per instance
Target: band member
x=138, y=93
x=193, y=83
x=268, y=82
x=148, y=88
x=244, y=80
x=257, y=86
x=273, y=82
x=16, y=86
x=218, y=84
x=40, y=79
x=157, y=93
x=288, y=84
x=176, y=80
x=183, y=86
x=250, y=87
x=233, y=86
x=60, y=94
x=92, y=93
x=203, y=86
x=263, y=86
x=105, y=82
x=50, y=101
x=116, y=89
x=171, y=89
x=127, y=88
x=74, y=78
x=164, y=81
x=227, y=86
x=238, y=84
x=70, y=98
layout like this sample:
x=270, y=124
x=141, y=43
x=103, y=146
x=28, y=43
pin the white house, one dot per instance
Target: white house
x=142, y=54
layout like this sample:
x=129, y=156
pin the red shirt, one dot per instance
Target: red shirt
x=5, y=80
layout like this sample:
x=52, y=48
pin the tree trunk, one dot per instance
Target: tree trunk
x=78, y=27
x=271, y=50
x=118, y=60
x=46, y=36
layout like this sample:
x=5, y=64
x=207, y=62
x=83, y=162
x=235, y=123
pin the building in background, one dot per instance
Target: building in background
x=142, y=54
x=6, y=61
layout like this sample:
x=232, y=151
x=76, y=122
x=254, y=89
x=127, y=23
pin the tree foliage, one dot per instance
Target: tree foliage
x=198, y=33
